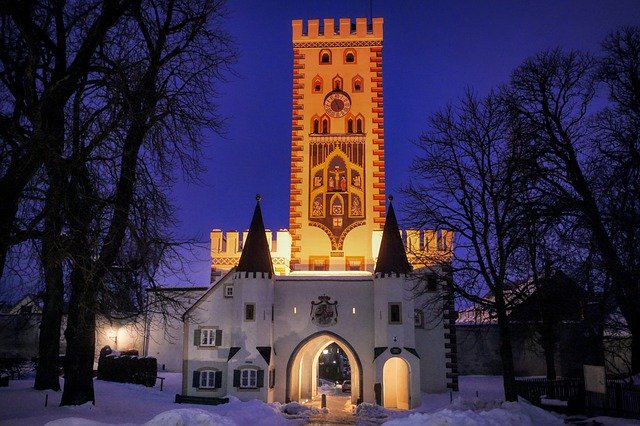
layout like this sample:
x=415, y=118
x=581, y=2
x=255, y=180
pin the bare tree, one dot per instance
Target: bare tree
x=156, y=76
x=41, y=69
x=550, y=97
x=467, y=181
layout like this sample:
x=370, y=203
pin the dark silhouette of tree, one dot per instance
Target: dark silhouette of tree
x=106, y=101
x=466, y=181
x=41, y=69
x=550, y=97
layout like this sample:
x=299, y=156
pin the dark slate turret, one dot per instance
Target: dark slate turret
x=256, y=256
x=392, y=258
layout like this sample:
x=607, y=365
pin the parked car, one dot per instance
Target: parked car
x=346, y=386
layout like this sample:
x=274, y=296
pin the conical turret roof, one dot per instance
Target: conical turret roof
x=392, y=257
x=256, y=256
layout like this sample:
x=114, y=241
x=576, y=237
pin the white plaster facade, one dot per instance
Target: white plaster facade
x=294, y=340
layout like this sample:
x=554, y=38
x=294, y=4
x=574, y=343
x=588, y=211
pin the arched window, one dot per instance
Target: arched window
x=359, y=125
x=317, y=85
x=349, y=56
x=350, y=126
x=325, y=57
x=315, y=125
x=357, y=84
x=325, y=125
x=337, y=83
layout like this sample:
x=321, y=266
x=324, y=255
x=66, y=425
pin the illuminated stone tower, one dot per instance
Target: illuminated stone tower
x=337, y=201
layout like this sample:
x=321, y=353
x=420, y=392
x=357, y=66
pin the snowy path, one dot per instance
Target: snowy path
x=127, y=404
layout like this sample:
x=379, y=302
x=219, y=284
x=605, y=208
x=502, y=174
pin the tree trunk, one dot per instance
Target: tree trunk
x=80, y=334
x=47, y=372
x=506, y=352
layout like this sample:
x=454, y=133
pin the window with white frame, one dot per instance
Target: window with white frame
x=207, y=379
x=208, y=337
x=248, y=378
x=228, y=291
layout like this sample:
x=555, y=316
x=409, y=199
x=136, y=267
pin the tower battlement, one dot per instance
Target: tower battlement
x=330, y=29
x=226, y=248
x=421, y=245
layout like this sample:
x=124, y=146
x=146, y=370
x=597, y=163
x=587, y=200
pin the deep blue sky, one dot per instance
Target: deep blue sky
x=432, y=51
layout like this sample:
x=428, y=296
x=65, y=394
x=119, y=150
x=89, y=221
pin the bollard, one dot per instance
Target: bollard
x=324, y=401
x=46, y=399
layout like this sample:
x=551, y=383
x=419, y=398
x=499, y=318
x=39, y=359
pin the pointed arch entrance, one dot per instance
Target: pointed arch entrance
x=396, y=386
x=302, y=367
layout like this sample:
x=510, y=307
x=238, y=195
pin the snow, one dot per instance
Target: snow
x=479, y=403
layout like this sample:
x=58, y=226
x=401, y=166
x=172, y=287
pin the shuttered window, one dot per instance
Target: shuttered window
x=207, y=337
x=207, y=379
x=248, y=378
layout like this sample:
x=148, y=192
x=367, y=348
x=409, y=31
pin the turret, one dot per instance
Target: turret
x=392, y=296
x=253, y=287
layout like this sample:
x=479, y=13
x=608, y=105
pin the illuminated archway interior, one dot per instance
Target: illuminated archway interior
x=305, y=366
x=395, y=387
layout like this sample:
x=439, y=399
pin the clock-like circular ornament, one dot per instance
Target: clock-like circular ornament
x=337, y=104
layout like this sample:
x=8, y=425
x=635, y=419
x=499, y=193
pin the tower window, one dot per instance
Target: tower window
x=354, y=263
x=315, y=126
x=350, y=126
x=350, y=57
x=325, y=126
x=337, y=82
x=359, y=125
x=319, y=263
x=325, y=57
x=432, y=283
x=357, y=84
x=249, y=311
x=317, y=84
x=395, y=313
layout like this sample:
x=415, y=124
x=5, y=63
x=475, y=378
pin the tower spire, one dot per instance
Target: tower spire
x=392, y=257
x=256, y=256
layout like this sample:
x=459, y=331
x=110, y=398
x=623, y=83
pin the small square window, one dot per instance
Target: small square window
x=319, y=263
x=395, y=313
x=354, y=263
x=250, y=312
x=228, y=291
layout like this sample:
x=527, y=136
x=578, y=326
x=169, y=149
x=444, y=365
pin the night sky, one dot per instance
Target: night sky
x=432, y=51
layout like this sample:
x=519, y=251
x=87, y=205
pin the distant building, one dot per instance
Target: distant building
x=339, y=274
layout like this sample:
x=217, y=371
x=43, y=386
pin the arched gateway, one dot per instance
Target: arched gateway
x=302, y=368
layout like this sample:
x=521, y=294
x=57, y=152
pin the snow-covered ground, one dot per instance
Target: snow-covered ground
x=128, y=404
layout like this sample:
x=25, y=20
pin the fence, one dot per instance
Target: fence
x=621, y=400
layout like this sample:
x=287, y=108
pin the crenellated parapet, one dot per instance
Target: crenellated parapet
x=423, y=247
x=226, y=248
x=333, y=31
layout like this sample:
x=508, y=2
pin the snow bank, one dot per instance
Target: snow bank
x=295, y=410
x=482, y=413
x=371, y=411
x=189, y=417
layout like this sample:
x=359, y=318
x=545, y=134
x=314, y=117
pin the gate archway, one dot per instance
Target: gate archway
x=303, y=366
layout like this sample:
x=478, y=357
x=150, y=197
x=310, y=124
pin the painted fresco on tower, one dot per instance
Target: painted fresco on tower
x=336, y=200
